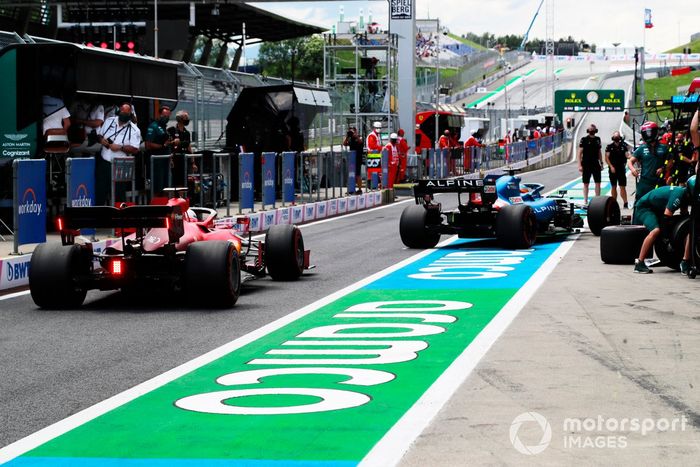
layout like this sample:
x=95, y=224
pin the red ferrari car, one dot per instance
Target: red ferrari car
x=172, y=247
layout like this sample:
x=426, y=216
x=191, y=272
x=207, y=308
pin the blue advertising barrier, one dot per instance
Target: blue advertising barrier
x=29, y=200
x=80, y=184
x=375, y=180
x=432, y=164
x=444, y=158
x=385, y=168
x=288, y=177
x=269, y=172
x=246, y=177
x=351, y=158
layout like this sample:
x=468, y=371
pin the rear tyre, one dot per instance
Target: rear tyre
x=620, y=244
x=284, y=252
x=212, y=274
x=516, y=226
x=413, y=228
x=602, y=212
x=52, y=276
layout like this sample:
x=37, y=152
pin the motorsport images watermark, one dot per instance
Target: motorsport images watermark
x=579, y=433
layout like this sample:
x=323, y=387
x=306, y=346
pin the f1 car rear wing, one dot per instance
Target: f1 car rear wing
x=131, y=217
x=486, y=187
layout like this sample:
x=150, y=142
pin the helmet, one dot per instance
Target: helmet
x=691, y=185
x=650, y=131
x=393, y=136
x=539, y=128
x=377, y=124
x=401, y=132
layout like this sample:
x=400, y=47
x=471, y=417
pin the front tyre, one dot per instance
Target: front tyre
x=602, y=212
x=284, y=252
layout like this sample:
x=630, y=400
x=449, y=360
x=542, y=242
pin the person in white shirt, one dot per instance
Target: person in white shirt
x=56, y=115
x=119, y=137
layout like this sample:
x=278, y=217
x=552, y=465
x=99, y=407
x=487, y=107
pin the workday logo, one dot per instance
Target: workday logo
x=81, y=197
x=29, y=203
x=530, y=417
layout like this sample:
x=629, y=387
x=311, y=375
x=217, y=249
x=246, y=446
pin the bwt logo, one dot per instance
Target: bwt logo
x=29, y=206
x=247, y=184
x=17, y=271
x=81, y=198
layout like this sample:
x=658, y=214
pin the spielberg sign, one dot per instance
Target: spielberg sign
x=401, y=9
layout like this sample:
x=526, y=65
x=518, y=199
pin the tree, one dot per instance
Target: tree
x=275, y=58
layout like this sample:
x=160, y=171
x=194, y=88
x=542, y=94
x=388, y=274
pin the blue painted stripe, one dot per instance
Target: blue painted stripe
x=514, y=276
x=29, y=461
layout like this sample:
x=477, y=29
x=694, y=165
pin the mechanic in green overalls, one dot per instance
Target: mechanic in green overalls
x=654, y=210
x=651, y=156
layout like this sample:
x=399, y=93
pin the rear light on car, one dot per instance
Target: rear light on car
x=59, y=223
x=167, y=223
x=117, y=267
x=475, y=198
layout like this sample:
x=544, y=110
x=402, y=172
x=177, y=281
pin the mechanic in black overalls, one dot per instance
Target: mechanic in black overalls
x=590, y=161
x=616, y=155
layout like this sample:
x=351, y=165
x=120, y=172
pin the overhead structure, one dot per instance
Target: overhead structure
x=527, y=33
x=549, y=55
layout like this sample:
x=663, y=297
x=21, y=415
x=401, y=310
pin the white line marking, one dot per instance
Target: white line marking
x=13, y=295
x=394, y=445
x=46, y=434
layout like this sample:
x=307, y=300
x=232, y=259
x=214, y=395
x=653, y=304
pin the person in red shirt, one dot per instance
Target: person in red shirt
x=374, y=150
x=403, y=155
x=469, y=150
x=393, y=149
x=444, y=141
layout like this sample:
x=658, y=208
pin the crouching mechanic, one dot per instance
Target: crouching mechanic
x=654, y=210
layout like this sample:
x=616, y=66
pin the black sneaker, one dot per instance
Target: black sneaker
x=641, y=267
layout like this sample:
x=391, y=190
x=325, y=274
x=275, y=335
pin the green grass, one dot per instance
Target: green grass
x=665, y=88
x=471, y=44
x=694, y=47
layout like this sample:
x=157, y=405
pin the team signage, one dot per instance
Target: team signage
x=246, y=180
x=385, y=169
x=14, y=141
x=80, y=174
x=288, y=177
x=269, y=169
x=30, y=201
x=401, y=9
x=588, y=100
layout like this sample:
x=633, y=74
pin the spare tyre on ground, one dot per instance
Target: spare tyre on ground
x=620, y=244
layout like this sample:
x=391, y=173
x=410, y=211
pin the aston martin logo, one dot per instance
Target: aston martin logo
x=15, y=137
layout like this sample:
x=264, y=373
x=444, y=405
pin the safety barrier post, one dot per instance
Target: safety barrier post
x=29, y=202
x=288, y=176
x=385, y=169
x=80, y=185
x=246, y=182
x=269, y=175
x=351, y=158
x=222, y=165
x=197, y=177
